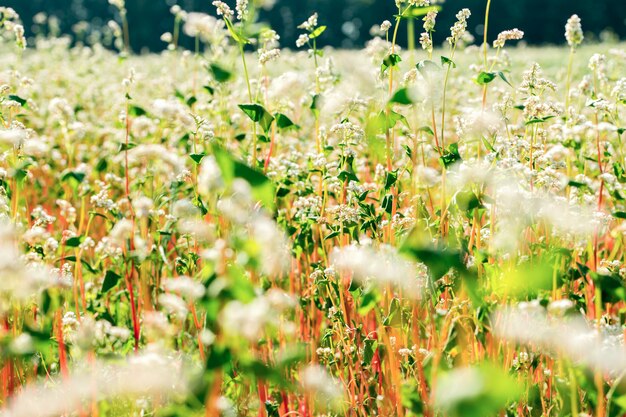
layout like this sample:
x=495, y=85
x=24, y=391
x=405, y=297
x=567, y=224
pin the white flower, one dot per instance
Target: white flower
x=309, y=24
x=273, y=245
x=459, y=27
x=426, y=41
x=302, y=40
x=201, y=24
x=149, y=373
x=20, y=40
x=507, y=35
x=185, y=286
x=574, y=31
x=120, y=4
x=383, y=267
x=248, y=320
x=242, y=9
x=323, y=387
x=571, y=336
x=223, y=9
x=266, y=56
x=210, y=176
x=174, y=305
x=13, y=137
x=457, y=385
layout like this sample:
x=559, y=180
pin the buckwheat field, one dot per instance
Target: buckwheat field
x=255, y=229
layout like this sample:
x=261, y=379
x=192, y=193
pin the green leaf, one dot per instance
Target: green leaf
x=315, y=104
x=501, y=75
x=451, y=156
x=240, y=288
x=220, y=74
x=467, y=200
x=49, y=301
x=102, y=165
x=390, y=60
x=73, y=175
x=411, y=399
x=262, y=187
x=16, y=98
x=576, y=184
x=20, y=175
x=619, y=172
x=613, y=288
x=439, y=260
x=391, y=179
x=387, y=203
x=284, y=122
x=191, y=101
x=492, y=390
x=620, y=402
x=487, y=144
x=408, y=151
x=111, y=279
x=402, y=96
x=368, y=300
x=127, y=146
x=197, y=201
x=136, y=111
x=347, y=175
x=237, y=36
x=218, y=357
x=317, y=32
x=388, y=120
x=447, y=61
x=394, y=318
x=425, y=67
x=525, y=279
x=258, y=114
x=74, y=242
x=197, y=157
x=620, y=214
x=485, y=78
x=369, y=350
x=538, y=120
x=426, y=129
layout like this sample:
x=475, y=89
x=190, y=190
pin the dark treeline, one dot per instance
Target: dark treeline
x=348, y=21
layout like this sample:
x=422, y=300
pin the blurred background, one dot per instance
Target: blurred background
x=349, y=21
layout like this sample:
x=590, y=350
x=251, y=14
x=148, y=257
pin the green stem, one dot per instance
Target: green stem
x=573, y=392
x=126, y=32
x=485, y=33
x=411, y=34
x=245, y=71
x=569, y=80
x=443, y=109
x=247, y=75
